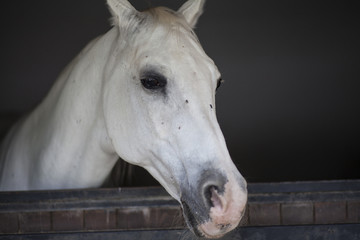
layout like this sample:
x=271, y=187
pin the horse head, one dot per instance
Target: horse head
x=159, y=107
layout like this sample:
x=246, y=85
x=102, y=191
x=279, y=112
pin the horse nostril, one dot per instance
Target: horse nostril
x=212, y=197
x=207, y=195
x=212, y=188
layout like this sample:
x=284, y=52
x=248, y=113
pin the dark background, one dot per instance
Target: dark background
x=289, y=108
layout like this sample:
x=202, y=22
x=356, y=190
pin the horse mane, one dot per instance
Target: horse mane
x=166, y=16
x=173, y=22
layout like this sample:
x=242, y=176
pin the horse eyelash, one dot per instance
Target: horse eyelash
x=219, y=82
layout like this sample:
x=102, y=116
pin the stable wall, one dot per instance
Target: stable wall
x=289, y=108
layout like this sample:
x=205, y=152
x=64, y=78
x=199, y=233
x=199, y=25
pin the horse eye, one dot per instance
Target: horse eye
x=220, y=81
x=153, y=82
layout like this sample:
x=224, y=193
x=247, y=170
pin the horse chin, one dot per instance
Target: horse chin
x=207, y=230
x=211, y=230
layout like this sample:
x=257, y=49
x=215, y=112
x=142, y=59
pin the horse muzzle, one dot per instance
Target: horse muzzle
x=216, y=205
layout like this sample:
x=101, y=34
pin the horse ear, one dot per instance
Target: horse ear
x=192, y=10
x=122, y=12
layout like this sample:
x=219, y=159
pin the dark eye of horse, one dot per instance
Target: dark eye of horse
x=153, y=82
x=220, y=81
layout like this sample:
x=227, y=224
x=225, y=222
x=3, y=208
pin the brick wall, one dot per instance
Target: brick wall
x=275, y=204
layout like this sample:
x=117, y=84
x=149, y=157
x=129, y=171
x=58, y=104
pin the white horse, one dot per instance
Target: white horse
x=144, y=91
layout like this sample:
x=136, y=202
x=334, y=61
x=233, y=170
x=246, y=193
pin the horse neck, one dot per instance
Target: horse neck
x=72, y=122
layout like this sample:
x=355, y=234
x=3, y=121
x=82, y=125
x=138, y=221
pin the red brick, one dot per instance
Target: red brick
x=353, y=212
x=9, y=223
x=297, y=213
x=67, y=220
x=100, y=219
x=330, y=212
x=150, y=218
x=34, y=222
x=133, y=218
x=264, y=214
x=166, y=218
